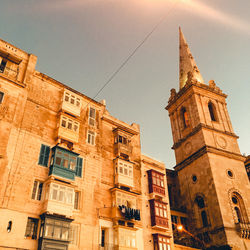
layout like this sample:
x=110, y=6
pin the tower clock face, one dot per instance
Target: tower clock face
x=221, y=142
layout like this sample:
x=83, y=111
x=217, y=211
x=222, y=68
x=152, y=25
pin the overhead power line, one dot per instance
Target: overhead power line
x=133, y=52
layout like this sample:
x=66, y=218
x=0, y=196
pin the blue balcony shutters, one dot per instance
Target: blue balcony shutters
x=79, y=167
x=44, y=155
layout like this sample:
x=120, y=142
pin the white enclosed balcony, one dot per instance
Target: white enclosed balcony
x=59, y=199
x=68, y=128
x=123, y=173
x=71, y=103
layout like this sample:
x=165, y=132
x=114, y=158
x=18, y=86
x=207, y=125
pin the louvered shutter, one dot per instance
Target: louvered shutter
x=44, y=155
x=79, y=167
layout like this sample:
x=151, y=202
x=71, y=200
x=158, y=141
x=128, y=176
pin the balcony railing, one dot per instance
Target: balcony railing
x=120, y=148
x=243, y=229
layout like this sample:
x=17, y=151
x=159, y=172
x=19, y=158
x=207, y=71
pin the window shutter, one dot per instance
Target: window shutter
x=44, y=155
x=79, y=167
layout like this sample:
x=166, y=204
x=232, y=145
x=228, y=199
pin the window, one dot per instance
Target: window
x=127, y=238
x=44, y=155
x=91, y=137
x=239, y=209
x=1, y=97
x=77, y=200
x=161, y=242
x=212, y=111
x=37, y=190
x=79, y=167
x=156, y=182
x=72, y=99
x=56, y=229
x=160, y=210
x=69, y=124
x=125, y=169
x=184, y=117
x=31, y=228
x=74, y=234
x=65, y=159
x=61, y=193
x=3, y=65
x=174, y=220
x=103, y=237
x=202, y=210
x=92, y=116
x=184, y=222
x=159, y=213
x=121, y=139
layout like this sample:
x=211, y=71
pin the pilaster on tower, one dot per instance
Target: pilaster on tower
x=187, y=65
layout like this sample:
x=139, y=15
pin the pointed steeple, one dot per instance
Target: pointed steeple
x=187, y=63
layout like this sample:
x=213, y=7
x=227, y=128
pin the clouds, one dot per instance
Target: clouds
x=216, y=15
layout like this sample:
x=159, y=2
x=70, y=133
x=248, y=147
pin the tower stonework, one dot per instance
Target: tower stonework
x=214, y=186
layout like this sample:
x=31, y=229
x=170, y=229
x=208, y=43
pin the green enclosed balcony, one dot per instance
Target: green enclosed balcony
x=65, y=163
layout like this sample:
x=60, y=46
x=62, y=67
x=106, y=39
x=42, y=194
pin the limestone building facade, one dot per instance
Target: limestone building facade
x=71, y=175
x=209, y=185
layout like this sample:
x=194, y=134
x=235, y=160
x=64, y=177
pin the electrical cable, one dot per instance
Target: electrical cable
x=133, y=53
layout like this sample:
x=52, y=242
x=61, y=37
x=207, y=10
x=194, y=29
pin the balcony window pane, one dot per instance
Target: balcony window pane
x=72, y=100
x=125, y=171
x=54, y=194
x=57, y=233
x=160, y=246
x=157, y=211
x=72, y=165
x=70, y=125
x=58, y=161
x=49, y=231
x=61, y=196
x=66, y=98
x=63, y=123
x=121, y=170
x=65, y=163
x=75, y=127
x=65, y=233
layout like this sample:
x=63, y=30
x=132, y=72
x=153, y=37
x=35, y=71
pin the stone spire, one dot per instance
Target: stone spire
x=188, y=69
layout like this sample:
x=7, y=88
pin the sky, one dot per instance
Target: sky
x=81, y=43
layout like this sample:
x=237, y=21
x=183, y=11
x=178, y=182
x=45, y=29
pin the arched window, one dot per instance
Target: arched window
x=212, y=112
x=202, y=210
x=239, y=209
x=204, y=218
x=184, y=117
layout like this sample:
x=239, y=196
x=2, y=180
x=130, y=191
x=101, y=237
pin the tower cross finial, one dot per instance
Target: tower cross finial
x=187, y=64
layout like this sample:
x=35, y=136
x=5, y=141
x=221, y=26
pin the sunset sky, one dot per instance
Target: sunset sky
x=82, y=42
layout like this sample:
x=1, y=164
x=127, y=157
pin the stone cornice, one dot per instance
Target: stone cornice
x=52, y=80
x=197, y=129
x=208, y=149
x=19, y=84
x=121, y=125
x=188, y=86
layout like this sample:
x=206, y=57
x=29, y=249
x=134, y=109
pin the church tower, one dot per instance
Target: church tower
x=214, y=186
